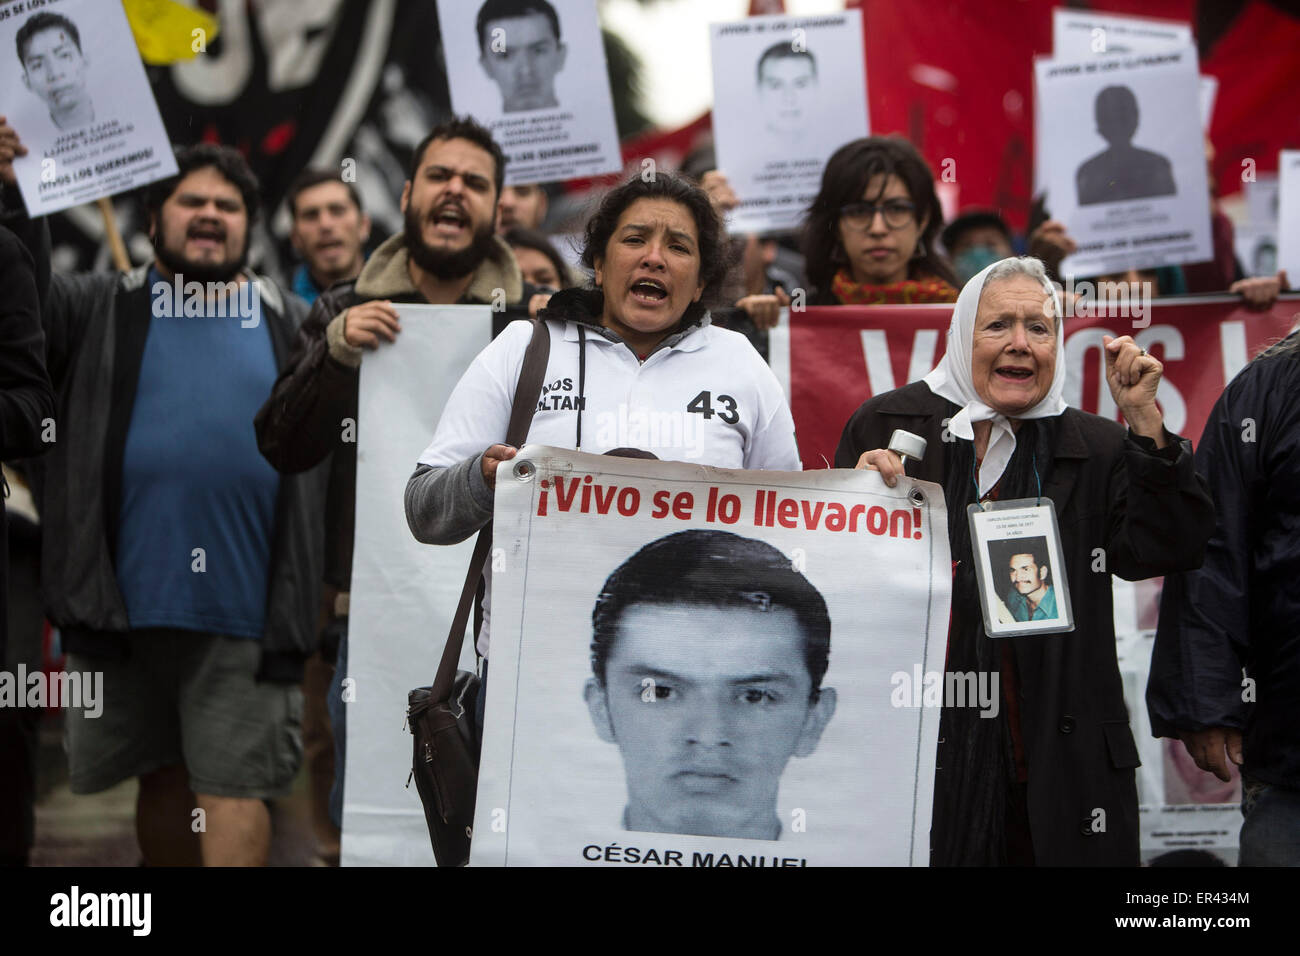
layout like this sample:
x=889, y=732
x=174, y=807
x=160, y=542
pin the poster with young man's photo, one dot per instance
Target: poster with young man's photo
x=1122, y=154
x=77, y=96
x=787, y=92
x=694, y=666
x=533, y=72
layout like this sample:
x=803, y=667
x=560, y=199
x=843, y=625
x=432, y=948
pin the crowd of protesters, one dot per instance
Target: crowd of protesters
x=196, y=509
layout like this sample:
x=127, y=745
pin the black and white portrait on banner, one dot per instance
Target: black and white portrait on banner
x=699, y=666
x=78, y=97
x=787, y=92
x=533, y=71
x=1122, y=153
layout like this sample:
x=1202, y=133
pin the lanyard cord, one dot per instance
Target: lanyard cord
x=582, y=381
x=1033, y=461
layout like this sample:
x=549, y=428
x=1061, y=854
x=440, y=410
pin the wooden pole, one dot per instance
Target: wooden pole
x=115, y=243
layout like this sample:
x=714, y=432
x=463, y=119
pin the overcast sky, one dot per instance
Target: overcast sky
x=672, y=39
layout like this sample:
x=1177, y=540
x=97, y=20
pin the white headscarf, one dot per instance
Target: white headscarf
x=952, y=379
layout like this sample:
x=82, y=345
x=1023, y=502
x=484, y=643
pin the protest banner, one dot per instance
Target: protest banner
x=695, y=666
x=403, y=593
x=80, y=101
x=538, y=81
x=1122, y=156
x=830, y=360
x=787, y=92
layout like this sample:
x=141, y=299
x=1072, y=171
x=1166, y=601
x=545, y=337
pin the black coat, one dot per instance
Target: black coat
x=26, y=397
x=1151, y=515
x=1242, y=608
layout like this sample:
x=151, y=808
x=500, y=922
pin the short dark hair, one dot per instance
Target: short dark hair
x=784, y=50
x=1035, y=547
x=714, y=256
x=462, y=127
x=844, y=180
x=519, y=237
x=715, y=569
x=311, y=177
x=225, y=160
x=974, y=219
x=505, y=9
x=44, y=21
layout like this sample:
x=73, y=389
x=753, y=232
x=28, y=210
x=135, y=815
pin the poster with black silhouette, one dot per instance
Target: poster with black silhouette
x=787, y=92
x=533, y=72
x=696, y=666
x=1288, y=213
x=1123, y=158
x=1080, y=34
x=76, y=93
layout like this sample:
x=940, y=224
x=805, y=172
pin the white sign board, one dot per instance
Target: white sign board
x=787, y=93
x=404, y=593
x=537, y=79
x=694, y=666
x=76, y=93
x=1122, y=153
x=1077, y=34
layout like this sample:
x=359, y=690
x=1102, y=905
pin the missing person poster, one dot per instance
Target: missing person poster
x=1077, y=34
x=1123, y=158
x=694, y=666
x=404, y=593
x=533, y=72
x=787, y=92
x=1288, y=217
x=77, y=96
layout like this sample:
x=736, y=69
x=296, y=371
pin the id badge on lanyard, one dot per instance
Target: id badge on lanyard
x=1020, y=567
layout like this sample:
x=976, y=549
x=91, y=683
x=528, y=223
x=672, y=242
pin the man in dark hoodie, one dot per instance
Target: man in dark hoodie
x=448, y=253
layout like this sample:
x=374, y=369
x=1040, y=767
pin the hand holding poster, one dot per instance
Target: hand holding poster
x=77, y=96
x=703, y=667
x=533, y=72
x=787, y=92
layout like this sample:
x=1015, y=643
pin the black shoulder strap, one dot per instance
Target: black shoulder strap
x=527, y=393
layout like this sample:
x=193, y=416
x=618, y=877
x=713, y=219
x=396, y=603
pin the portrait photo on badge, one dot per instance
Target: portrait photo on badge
x=1022, y=580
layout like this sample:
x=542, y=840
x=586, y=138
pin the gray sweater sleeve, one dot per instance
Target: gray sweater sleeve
x=447, y=505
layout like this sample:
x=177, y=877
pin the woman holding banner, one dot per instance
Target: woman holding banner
x=870, y=233
x=1050, y=781
x=634, y=362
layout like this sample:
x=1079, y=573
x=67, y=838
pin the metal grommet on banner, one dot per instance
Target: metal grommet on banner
x=525, y=470
x=916, y=496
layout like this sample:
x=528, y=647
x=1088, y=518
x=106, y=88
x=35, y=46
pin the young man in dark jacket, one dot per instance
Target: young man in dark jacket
x=176, y=562
x=447, y=254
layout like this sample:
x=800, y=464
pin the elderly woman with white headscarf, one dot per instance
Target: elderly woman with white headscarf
x=1050, y=780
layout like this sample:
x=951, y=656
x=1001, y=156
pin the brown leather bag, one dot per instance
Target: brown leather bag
x=441, y=717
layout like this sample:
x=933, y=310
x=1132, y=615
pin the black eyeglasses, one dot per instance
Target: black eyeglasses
x=860, y=215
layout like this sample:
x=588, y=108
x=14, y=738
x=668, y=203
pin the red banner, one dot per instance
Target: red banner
x=841, y=356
